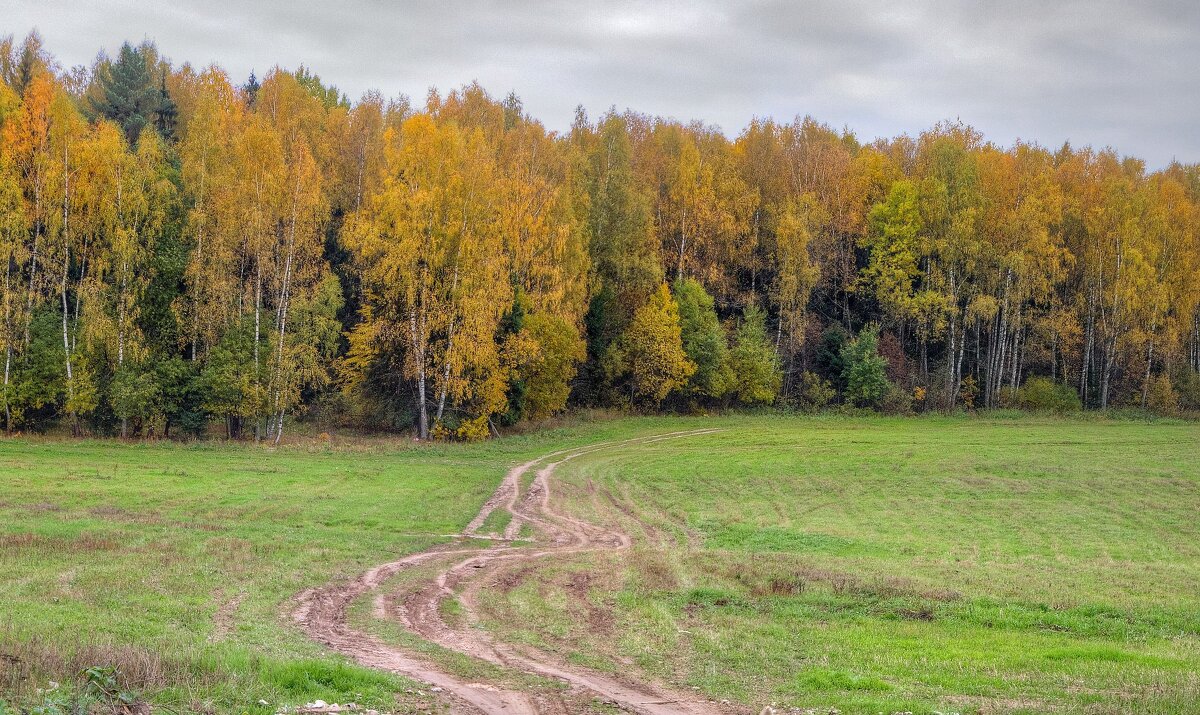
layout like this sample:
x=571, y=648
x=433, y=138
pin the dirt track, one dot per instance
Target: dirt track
x=322, y=612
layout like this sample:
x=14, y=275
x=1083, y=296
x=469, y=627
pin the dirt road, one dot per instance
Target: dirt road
x=322, y=613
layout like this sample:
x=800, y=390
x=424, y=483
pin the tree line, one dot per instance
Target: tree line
x=182, y=251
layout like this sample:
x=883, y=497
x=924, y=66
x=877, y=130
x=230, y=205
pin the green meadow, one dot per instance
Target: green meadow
x=884, y=565
x=860, y=563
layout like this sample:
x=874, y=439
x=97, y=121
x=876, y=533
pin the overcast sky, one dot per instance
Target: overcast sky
x=1124, y=74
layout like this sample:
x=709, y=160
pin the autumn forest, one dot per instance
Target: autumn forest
x=188, y=253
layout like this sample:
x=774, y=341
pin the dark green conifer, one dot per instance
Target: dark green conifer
x=127, y=93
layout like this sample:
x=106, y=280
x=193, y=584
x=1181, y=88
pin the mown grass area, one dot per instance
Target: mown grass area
x=178, y=562
x=987, y=565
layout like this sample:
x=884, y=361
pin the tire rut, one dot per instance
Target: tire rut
x=322, y=612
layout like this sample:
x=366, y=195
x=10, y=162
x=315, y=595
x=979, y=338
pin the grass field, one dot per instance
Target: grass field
x=875, y=565
x=178, y=561
x=179, y=558
x=891, y=565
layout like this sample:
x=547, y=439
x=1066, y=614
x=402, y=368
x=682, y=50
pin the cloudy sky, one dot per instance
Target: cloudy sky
x=1122, y=74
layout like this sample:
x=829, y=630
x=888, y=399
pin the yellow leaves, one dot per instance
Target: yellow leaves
x=535, y=207
x=705, y=206
x=870, y=175
x=929, y=310
x=431, y=251
x=431, y=199
x=983, y=307
x=14, y=252
x=651, y=350
x=797, y=273
x=476, y=429
x=294, y=112
x=13, y=220
x=117, y=204
x=27, y=130
x=204, y=150
x=259, y=201
x=9, y=102
x=210, y=172
x=102, y=176
x=894, y=247
x=543, y=356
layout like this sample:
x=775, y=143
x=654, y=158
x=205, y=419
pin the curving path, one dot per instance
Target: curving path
x=322, y=612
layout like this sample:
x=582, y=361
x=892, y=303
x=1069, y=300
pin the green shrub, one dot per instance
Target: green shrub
x=1161, y=396
x=704, y=340
x=896, y=401
x=1041, y=394
x=815, y=393
x=756, y=375
x=1186, y=382
x=864, y=371
x=968, y=391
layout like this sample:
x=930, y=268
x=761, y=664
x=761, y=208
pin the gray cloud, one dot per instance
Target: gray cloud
x=1101, y=72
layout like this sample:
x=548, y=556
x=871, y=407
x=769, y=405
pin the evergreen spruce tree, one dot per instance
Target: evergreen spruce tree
x=864, y=370
x=251, y=89
x=129, y=96
x=757, y=376
x=167, y=114
x=703, y=340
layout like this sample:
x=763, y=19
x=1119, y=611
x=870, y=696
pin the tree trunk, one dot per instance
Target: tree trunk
x=257, y=311
x=1196, y=342
x=362, y=165
x=37, y=234
x=990, y=366
x=1088, y=348
x=284, y=304
x=924, y=360
x=679, y=266
x=993, y=350
x=1146, y=379
x=419, y=357
x=196, y=299
x=7, y=367
x=1054, y=359
x=67, y=359
x=978, y=353
x=1005, y=327
x=951, y=368
x=445, y=386
x=1149, y=360
x=1016, y=358
x=1109, y=356
x=79, y=293
x=257, y=330
x=8, y=339
x=962, y=349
